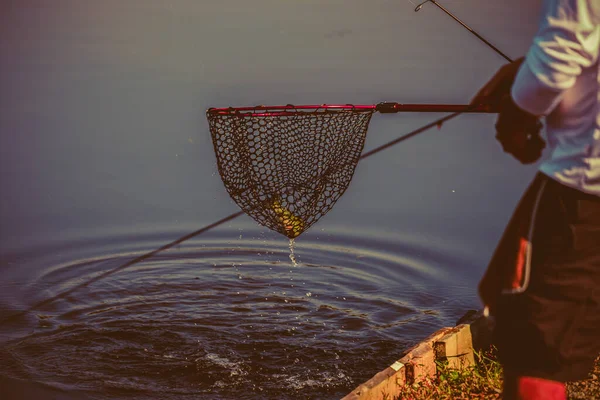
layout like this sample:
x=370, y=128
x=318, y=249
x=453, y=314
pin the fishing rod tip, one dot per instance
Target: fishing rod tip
x=418, y=7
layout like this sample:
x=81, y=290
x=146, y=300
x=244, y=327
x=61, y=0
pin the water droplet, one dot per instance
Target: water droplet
x=292, y=255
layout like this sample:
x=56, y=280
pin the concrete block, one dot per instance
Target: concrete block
x=455, y=345
x=481, y=328
x=456, y=348
x=420, y=359
x=421, y=363
x=384, y=384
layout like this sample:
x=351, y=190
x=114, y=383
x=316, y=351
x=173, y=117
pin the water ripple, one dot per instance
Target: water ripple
x=226, y=318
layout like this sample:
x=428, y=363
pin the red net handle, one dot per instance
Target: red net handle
x=384, y=108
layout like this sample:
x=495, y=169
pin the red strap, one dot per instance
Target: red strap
x=517, y=278
x=530, y=388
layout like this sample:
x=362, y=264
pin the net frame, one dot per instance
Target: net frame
x=275, y=206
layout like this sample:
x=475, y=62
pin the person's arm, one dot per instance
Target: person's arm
x=568, y=41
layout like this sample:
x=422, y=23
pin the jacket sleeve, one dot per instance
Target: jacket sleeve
x=567, y=41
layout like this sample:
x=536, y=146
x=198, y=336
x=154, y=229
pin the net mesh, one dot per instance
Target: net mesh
x=286, y=168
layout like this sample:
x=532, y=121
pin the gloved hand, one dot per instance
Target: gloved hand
x=519, y=132
x=498, y=86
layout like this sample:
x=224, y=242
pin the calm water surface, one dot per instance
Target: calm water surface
x=105, y=156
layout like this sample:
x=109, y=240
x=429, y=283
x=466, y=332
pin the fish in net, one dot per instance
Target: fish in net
x=285, y=166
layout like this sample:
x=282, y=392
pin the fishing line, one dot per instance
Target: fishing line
x=467, y=27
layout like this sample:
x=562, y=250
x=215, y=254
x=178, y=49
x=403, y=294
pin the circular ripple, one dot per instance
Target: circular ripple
x=228, y=318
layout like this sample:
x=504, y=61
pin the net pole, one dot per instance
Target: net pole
x=383, y=107
x=441, y=108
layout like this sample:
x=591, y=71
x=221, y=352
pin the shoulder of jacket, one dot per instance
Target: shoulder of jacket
x=594, y=9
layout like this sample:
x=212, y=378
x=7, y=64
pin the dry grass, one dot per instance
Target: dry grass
x=484, y=381
x=588, y=389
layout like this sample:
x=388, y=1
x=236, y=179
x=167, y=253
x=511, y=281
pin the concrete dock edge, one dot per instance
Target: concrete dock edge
x=455, y=345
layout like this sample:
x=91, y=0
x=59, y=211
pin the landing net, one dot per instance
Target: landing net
x=287, y=166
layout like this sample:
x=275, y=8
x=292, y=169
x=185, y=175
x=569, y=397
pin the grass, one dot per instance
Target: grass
x=482, y=381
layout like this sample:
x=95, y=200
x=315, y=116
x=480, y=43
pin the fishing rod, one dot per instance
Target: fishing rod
x=467, y=27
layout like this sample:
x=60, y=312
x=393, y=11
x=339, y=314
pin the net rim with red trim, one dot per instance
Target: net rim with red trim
x=287, y=110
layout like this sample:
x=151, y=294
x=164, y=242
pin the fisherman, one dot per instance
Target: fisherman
x=542, y=285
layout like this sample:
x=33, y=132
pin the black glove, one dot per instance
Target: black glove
x=492, y=93
x=519, y=132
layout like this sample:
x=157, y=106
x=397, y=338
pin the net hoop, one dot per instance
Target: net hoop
x=287, y=110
